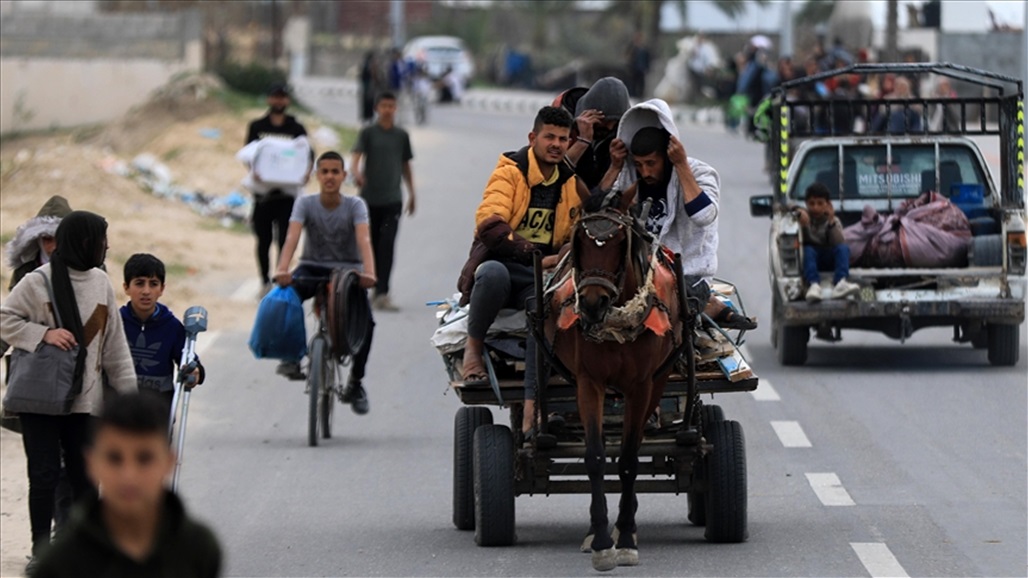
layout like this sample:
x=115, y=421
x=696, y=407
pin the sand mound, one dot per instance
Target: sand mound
x=206, y=262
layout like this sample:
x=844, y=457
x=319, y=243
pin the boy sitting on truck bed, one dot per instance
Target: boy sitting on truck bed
x=823, y=245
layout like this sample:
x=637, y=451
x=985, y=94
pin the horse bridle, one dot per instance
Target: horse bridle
x=601, y=228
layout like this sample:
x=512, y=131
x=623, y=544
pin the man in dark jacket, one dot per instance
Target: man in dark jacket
x=138, y=527
x=272, y=206
x=597, y=114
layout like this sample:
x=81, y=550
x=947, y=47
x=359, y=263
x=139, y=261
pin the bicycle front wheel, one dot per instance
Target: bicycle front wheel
x=315, y=385
x=327, y=393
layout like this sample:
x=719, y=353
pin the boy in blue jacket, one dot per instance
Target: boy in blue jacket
x=156, y=337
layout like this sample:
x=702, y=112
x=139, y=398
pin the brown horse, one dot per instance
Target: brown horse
x=615, y=329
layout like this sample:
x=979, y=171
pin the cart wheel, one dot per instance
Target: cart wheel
x=697, y=500
x=792, y=344
x=709, y=415
x=1003, y=344
x=315, y=381
x=494, y=486
x=327, y=401
x=726, y=484
x=468, y=420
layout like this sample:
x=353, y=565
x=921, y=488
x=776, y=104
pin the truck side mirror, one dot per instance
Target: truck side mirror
x=761, y=205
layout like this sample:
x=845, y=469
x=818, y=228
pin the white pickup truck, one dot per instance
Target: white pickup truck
x=925, y=145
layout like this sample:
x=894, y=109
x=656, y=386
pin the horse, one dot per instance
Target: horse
x=617, y=326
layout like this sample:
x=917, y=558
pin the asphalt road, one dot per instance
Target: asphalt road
x=921, y=445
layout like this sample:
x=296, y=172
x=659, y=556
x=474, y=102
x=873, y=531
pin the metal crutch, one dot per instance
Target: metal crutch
x=195, y=322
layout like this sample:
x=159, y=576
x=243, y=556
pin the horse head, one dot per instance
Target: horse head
x=602, y=259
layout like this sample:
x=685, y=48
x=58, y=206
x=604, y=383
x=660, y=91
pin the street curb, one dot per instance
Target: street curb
x=494, y=100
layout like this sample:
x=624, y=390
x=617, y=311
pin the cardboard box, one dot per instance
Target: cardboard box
x=281, y=162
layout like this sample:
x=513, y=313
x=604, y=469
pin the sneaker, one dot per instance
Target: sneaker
x=384, y=303
x=355, y=395
x=845, y=289
x=291, y=369
x=814, y=293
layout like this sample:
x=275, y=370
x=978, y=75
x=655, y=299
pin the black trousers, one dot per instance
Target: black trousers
x=307, y=288
x=270, y=219
x=385, y=221
x=47, y=439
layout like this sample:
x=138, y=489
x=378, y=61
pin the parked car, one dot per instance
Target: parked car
x=437, y=53
x=980, y=293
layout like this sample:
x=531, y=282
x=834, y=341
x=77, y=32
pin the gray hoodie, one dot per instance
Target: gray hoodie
x=694, y=235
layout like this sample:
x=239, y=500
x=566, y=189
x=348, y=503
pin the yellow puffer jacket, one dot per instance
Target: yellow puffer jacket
x=510, y=188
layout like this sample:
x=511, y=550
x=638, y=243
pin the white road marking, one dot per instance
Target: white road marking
x=878, y=560
x=791, y=434
x=765, y=391
x=829, y=490
x=205, y=340
x=247, y=291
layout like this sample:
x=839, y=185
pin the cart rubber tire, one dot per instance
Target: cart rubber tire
x=1004, y=342
x=494, y=486
x=711, y=413
x=315, y=375
x=467, y=420
x=792, y=344
x=980, y=340
x=327, y=398
x=726, y=479
x=697, y=500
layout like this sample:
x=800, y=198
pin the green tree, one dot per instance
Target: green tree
x=645, y=15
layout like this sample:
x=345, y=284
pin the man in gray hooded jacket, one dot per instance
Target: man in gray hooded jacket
x=685, y=195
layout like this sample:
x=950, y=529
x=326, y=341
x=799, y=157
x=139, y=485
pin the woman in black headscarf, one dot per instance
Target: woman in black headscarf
x=85, y=302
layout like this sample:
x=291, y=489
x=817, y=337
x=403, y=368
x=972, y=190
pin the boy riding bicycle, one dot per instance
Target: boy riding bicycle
x=338, y=237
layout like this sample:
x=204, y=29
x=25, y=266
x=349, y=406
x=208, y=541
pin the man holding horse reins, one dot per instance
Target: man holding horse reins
x=530, y=203
x=684, y=193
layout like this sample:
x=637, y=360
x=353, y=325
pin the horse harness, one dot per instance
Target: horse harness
x=647, y=309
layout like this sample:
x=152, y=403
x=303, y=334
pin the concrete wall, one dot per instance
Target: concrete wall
x=61, y=71
x=1000, y=52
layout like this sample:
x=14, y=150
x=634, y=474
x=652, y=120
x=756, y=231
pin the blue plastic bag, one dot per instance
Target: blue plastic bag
x=278, y=332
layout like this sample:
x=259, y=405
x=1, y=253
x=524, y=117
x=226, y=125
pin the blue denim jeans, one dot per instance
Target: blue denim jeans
x=833, y=258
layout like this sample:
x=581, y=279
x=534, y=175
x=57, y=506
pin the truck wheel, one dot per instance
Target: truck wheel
x=709, y=415
x=986, y=251
x=1004, y=342
x=792, y=344
x=494, y=486
x=776, y=313
x=467, y=420
x=726, y=484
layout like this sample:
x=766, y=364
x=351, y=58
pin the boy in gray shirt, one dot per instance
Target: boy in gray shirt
x=338, y=236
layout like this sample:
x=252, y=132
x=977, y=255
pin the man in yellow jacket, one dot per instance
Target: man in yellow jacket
x=531, y=203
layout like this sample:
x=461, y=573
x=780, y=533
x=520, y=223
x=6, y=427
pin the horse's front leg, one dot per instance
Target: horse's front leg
x=590, y=408
x=636, y=413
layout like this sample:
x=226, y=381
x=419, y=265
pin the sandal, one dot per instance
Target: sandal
x=728, y=318
x=473, y=375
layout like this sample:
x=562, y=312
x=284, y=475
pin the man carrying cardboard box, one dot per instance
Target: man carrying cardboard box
x=273, y=203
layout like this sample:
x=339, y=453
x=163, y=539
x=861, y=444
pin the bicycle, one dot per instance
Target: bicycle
x=329, y=349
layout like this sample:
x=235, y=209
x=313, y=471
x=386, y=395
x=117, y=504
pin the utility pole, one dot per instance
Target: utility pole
x=276, y=34
x=786, y=40
x=891, y=31
x=396, y=23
